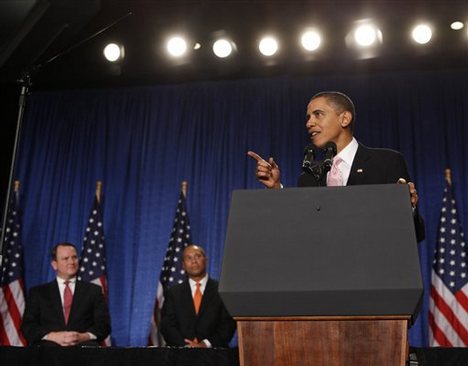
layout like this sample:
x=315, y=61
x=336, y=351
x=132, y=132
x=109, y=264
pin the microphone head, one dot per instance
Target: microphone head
x=309, y=148
x=330, y=147
x=330, y=151
x=309, y=156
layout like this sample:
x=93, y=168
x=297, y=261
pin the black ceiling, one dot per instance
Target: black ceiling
x=34, y=32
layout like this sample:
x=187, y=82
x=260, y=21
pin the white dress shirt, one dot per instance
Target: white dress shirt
x=347, y=156
x=193, y=285
x=61, y=286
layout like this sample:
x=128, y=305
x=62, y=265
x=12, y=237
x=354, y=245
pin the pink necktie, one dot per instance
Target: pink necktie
x=335, y=178
x=67, y=301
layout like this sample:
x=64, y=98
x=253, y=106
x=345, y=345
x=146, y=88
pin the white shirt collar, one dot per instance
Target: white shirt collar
x=61, y=281
x=203, y=282
x=349, y=152
x=347, y=156
x=61, y=285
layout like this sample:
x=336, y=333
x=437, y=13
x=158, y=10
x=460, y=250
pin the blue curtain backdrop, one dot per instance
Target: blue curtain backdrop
x=142, y=142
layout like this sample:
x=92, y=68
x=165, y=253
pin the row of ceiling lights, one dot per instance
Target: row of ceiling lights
x=364, y=35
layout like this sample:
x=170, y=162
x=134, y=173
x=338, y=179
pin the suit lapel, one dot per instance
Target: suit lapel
x=187, y=299
x=207, y=296
x=57, y=301
x=358, y=169
x=77, y=295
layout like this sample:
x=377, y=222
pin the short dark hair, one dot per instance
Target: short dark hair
x=197, y=247
x=53, y=252
x=341, y=102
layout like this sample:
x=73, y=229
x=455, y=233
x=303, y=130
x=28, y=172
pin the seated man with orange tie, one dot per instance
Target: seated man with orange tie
x=193, y=313
x=330, y=119
x=65, y=312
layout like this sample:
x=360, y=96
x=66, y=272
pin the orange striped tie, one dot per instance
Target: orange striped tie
x=197, y=298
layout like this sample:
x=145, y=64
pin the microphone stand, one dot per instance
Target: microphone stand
x=25, y=83
x=319, y=168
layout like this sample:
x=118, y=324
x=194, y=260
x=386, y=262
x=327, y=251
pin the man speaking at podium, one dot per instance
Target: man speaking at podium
x=330, y=122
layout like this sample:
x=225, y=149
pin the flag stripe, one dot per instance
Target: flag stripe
x=448, y=301
x=5, y=321
x=462, y=298
x=15, y=301
x=3, y=335
x=439, y=338
x=453, y=322
x=445, y=295
x=11, y=279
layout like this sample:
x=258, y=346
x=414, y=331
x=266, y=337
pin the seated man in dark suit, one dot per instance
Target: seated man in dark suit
x=66, y=312
x=193, y=314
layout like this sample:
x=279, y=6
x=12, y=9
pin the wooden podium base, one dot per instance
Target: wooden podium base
x=327, y=341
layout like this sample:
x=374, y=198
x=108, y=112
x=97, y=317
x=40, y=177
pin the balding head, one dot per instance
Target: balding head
x=194, y=262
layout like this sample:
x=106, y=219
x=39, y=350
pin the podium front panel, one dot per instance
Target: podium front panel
x=321, y=251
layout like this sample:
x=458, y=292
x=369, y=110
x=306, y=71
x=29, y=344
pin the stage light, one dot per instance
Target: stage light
x=176, y=46
x=457, y=25
x=422, y=33
x=268, y=46
x=222, y=48
x=366, y=35
x=311, y=40
x=113, y=52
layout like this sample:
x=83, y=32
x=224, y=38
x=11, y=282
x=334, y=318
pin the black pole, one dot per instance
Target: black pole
x=25, y=82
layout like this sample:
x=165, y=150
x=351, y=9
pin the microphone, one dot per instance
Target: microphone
x=309, y=156
x=330, y=152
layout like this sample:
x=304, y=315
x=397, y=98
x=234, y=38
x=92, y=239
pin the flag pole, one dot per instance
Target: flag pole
x=98, y=190
x=448, y=176
x=183, y=188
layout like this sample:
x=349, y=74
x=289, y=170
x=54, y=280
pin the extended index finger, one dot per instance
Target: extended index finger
x=255, y=156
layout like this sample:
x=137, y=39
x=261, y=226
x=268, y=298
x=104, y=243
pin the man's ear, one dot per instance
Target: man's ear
x=345, y=119
x=54, y=265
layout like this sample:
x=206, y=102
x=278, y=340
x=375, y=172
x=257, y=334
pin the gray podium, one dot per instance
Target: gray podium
x=322, y=276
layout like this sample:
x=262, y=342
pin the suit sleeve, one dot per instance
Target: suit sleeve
x=169, y=323
x=31, y=325
x=225, y=329
x=400, y=170
x=101, y=326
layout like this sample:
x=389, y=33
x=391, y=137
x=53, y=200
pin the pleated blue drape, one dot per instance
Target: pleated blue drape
x=142, y=142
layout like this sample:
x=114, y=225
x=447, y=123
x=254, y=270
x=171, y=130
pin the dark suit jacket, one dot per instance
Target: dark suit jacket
x=179, y=321
x=44, y=312
x=374, y=166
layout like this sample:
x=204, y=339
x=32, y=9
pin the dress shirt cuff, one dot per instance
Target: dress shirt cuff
x=207, y=342
x=92, y=337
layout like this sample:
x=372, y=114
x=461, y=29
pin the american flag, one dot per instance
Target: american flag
x=448, y=304
x=93, y=255
x=11, y=278
x=171, y=271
